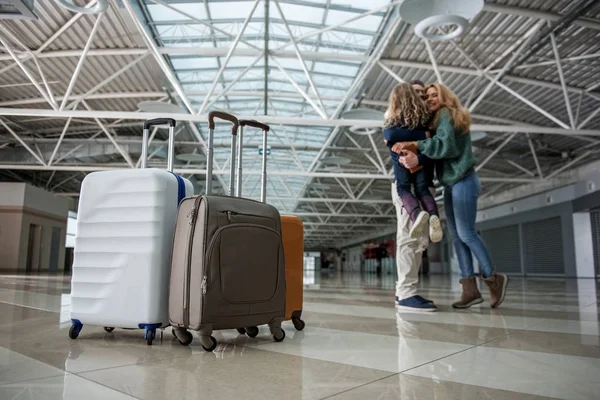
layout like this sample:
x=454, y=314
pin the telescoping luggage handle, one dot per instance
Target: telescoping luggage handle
x=153, y=122
x=211, y=134
x=263, y=179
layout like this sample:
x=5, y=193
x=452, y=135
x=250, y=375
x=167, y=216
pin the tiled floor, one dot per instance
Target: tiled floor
x=543, y=343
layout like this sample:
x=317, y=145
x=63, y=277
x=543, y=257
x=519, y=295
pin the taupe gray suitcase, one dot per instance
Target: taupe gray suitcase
x=228, y=266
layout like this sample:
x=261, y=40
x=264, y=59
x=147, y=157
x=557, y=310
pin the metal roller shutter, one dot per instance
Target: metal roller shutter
x=543, y=247
x=505, y=248
x=595, y=216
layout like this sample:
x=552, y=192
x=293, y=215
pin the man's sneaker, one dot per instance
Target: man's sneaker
x=420, y=298
x=423, y=299
x=435, y=229
x=415, y=304
x=419, y=224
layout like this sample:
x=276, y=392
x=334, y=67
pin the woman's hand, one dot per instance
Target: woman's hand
x=400, y=146
x=409, y=159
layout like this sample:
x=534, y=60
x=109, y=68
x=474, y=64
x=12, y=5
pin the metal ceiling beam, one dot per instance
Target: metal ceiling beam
x=538, y=14
x=220, y=172
x=309, y=56
x=580, y=8
x=275, y=120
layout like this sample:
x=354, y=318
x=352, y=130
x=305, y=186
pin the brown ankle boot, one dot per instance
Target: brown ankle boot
x=470, y=295
x=497, y=284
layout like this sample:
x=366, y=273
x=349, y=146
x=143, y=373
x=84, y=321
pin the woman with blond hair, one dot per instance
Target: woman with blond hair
x=451, y=145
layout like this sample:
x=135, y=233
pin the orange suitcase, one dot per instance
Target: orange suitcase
x=292, y=233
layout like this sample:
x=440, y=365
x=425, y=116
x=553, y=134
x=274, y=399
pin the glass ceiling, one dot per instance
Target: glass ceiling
x=172, y=28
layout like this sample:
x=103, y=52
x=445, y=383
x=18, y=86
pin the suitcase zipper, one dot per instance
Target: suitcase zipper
x=204, y=284
x=193, y=214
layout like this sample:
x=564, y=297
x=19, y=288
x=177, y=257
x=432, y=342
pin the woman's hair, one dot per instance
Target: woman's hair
x=461, y=117
x=406, y=108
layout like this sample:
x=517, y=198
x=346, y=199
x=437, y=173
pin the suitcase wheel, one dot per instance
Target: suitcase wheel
x=298, y=324
x=279, y=338
x=109, y=329
x=74, y=330
x=252, y=331
x=149, y=335
x=187, y=340
x=213, y=347
x=241, y=331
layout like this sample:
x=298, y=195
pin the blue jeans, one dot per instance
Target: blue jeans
x=460, y=202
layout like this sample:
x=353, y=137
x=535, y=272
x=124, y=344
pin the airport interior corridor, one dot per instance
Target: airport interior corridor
x=542, y=343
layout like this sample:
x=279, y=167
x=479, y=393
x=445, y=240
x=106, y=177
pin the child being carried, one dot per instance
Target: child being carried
x=407, y=119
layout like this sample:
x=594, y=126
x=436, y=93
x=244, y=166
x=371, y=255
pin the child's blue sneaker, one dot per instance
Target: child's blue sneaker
x=416, y=303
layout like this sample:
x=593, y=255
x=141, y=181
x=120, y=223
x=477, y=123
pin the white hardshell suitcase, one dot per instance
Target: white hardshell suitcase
x=123, y=247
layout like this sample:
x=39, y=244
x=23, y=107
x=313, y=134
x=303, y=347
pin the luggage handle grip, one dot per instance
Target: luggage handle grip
x=171, y=147
x=225, y=116
x=255, y=124
x=263, y=180
x=160, y=121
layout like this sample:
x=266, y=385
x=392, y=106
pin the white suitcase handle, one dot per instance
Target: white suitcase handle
x=153, y=122
x=211, y=137
x=263, y=180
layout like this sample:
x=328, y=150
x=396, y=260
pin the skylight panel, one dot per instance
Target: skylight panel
x=160, y=13
x=293, y=12
x=364, y=4
x=297, y=30
x=369, y=23
x=194, y=63
x=338, y=69
x=235, y=9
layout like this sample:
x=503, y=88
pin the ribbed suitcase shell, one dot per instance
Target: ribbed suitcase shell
x=122, y=257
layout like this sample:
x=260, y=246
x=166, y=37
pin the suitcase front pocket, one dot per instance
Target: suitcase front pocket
x=247, y=259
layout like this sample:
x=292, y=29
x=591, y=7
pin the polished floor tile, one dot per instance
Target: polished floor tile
x=387, y=353
x=15, y=367
x=66, y=387
x=547, y=342
x=544, y=342
x=406, y=387
x=421, y=330
x=233, y=372
x=552, y=375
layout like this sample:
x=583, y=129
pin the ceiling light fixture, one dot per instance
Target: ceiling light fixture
x=426, y=14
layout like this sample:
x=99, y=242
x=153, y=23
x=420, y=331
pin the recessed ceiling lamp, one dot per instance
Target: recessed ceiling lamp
x=365, y=114
x=336, y=160
x=425, y=14
x=160, y=107
x=99, y=7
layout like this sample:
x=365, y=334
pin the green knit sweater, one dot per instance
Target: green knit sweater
x=452, y=148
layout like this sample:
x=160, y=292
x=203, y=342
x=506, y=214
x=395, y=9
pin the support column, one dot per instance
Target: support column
x=584, y=245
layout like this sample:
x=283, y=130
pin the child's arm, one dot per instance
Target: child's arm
x=395, y=134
